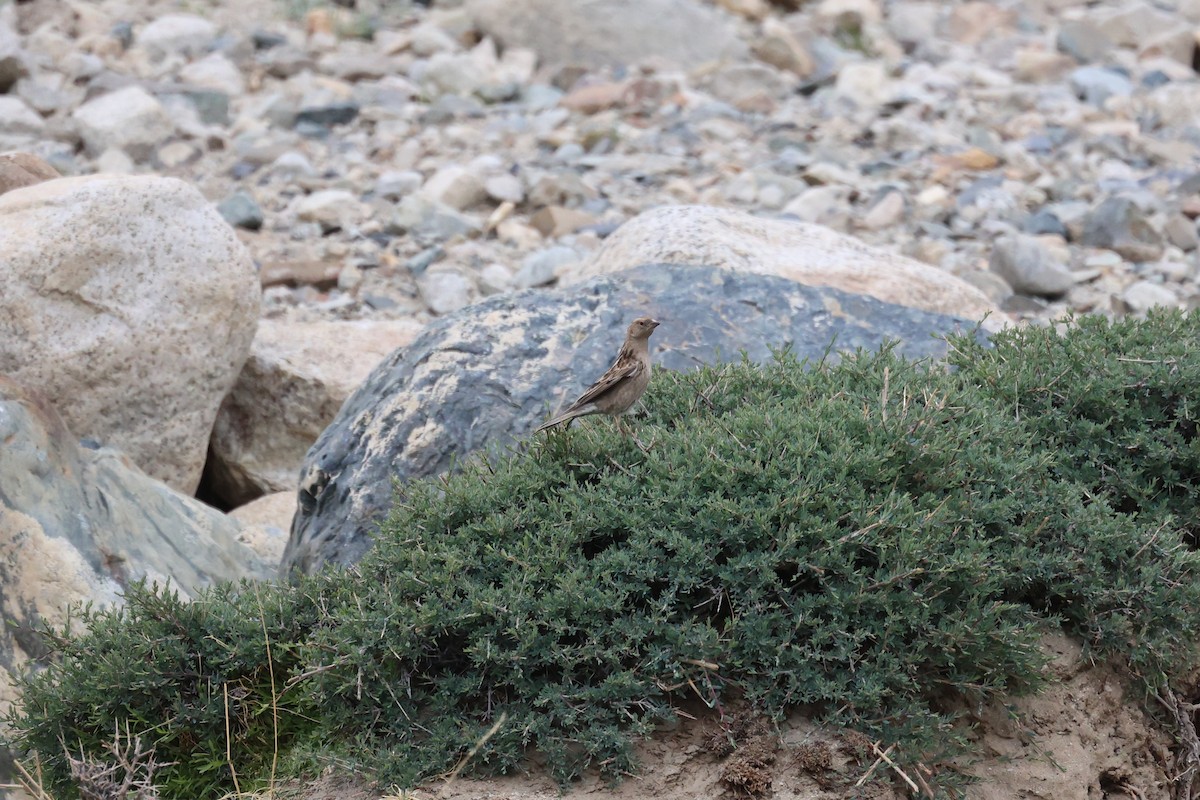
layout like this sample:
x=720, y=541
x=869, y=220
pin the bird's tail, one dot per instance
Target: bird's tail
x=566, y=416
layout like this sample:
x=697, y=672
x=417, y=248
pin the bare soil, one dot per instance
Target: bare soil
x=1084, y=737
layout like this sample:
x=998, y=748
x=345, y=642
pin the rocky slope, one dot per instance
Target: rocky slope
x=390, y=163
x=373, y=178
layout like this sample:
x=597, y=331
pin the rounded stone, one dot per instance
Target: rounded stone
x=131, y=302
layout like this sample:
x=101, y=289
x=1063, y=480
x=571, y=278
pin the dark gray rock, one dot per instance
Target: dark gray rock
x=1155, y=78
x=328, y=115
x=88, y=515
x=978, y=188
x=379, y=302
x=1044, y=221
x=1119, y=225
x=265, y=40
x=241, y=211
x=424, y=260
x=123, y=33
x=211, y=106
x=485, y=376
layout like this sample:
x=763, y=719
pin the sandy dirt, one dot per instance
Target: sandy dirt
x=1083, y=738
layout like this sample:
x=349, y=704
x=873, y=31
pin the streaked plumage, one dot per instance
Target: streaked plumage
x=621, y=386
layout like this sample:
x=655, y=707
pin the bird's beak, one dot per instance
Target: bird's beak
x=654, y=324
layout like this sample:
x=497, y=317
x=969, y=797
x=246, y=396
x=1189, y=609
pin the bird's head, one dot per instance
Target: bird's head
x=642, y=327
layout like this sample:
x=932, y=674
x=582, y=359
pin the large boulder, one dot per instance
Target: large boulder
x=78, y=523
x=612, y=33
x=132, y=304
x=489, y=373
x=297, y=377
x=810, y=254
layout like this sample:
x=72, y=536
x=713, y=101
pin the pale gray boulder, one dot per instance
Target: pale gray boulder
x=802, y=252
x=131, y=304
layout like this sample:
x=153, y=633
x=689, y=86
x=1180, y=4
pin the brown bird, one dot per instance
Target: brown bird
x=620, y=387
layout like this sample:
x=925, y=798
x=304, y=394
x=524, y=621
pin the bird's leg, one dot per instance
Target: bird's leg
x=621, y=425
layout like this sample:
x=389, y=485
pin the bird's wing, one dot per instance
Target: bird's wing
x=619, y=372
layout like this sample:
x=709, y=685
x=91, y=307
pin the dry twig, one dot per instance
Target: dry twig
x=129, y=776
x=1189, y=743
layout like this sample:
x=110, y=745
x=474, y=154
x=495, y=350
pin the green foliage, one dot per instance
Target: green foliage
x=868, y=540
x=179, y=673
x=1113, y=402
x=1115, y=399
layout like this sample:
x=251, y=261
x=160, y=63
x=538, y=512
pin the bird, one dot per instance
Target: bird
x=621, y=386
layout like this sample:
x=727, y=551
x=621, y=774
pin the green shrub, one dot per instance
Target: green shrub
x=867, y=540
x=863, y=538
x=181, y=675
x=1117, y=400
